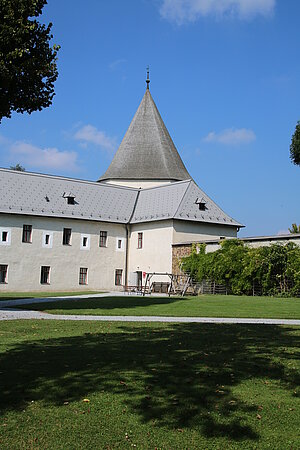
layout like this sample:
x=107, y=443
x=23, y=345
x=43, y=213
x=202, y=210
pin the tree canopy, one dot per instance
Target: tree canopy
x=18, y=167
x=272, y=270
x=295, y=228
x=28, y=67
x=295, y=146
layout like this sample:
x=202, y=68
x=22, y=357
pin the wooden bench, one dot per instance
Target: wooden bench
x=133, y=290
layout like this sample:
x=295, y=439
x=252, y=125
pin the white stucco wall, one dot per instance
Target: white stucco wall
x=24, y=260
x=185, y=231
x=256, y=243
x=139, y=183
x=267, y=242
x=156, y=253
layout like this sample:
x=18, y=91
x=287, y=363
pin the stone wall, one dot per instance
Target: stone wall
x=178, y=252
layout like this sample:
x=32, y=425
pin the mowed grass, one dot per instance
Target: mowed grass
x=91, y=385
x=20, y=295
x=202, y=306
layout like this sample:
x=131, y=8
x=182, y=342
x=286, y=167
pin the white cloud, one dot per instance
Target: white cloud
x=43, y=158
x=231, y=136
x=183, y=11
x=115, y=64
x=89, y=134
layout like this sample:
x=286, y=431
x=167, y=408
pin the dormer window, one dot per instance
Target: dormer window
x=201, y=203
x=70, y=198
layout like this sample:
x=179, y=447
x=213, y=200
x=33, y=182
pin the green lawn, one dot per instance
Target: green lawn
x=202, y=306
x=147, y=386
x=18, y=295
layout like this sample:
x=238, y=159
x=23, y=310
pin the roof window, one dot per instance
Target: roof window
x=70, y=198
x=201, y=202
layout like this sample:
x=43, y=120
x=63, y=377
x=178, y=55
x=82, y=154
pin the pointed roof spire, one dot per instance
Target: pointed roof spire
x=147, y=151
x=148, y=79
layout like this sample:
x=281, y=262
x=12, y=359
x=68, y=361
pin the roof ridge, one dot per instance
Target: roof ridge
x=185, y=193
x=64, y=178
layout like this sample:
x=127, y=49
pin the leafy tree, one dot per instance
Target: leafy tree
x=27, y=61
x=272, y=270
x=295, y=146
x=295, y=228
x=18, y=167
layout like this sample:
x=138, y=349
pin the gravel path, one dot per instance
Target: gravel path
x=11, y=314
x=8, y=312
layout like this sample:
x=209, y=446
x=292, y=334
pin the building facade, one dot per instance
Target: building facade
x=62, y=234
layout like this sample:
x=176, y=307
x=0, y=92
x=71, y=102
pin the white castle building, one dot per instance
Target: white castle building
x=62, y=234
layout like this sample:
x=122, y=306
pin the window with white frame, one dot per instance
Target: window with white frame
x=27, y=234
x=103, y=239
x=83, y=271
x=47, y=239
x=118, y=277
x=5, y=236
x=140, y=240
x=67, y=234
x=85, y=242
x=119, y=244
x=3, y=273
x=45, y=274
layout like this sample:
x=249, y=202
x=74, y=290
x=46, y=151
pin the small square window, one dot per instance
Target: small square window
x=67, y=233
x=140, y=240
x=3, y=273
x=118, y=277
x=47, y=239
x=103, y=239
x=83, y=275
x=27, y=233
x=202, y=206
x=71, y=200
x=45, y=274
x=5, y=236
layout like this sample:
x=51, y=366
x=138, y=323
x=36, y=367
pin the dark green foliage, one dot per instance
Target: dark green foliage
x=27, y=62
x=18, y=167
x=274, y=269
x=295, y=228
x=295, y=146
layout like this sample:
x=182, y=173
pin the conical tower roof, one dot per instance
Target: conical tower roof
x=147, y=151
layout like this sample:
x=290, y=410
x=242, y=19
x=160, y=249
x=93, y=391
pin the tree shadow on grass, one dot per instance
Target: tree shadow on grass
x=107, y=303
x=180, y=375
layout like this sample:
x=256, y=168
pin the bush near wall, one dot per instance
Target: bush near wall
x=272, y=270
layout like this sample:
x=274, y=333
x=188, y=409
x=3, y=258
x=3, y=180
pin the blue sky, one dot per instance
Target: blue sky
x=224, y=75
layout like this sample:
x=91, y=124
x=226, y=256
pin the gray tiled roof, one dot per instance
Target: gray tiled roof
x=45, y=195
x=27, y=193
x=178, y=201
x=147, y=150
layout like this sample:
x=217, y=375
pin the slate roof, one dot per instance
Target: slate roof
x=45, y=195
x=179, y=201
x=147, y=150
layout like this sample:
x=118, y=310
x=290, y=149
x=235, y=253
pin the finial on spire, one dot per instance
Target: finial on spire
x=148, y=79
